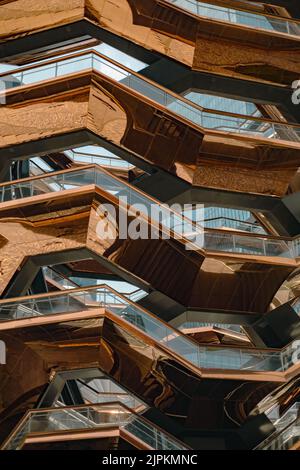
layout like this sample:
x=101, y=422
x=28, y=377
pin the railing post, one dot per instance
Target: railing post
x=264, y=247
x=233, y=243
x=241, y=358
x=281, y=362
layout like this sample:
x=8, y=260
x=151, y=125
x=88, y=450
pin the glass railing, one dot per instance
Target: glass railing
x=251, y=245
x=281, y=421
x=286, y=440
x=249, y=19
x=287, y=432
x=207, y=357
x=234, y=224
x=135, y=295
x=205, y=118
x=66, y=283
x=172, y=223
x=296, y=306
x=58, y=278
x=93, y=396
x=42, y=422
x=98, y=159
x=224, y=326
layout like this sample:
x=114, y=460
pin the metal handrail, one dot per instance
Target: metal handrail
x=79, y=408
x=125, y=300
x=279, y=432
x=247, y=13
x=150, y=198
x=165, y=90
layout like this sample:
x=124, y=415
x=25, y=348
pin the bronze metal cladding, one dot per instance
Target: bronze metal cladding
x=49, y=344
x=233, y=50
x=90, y=101
x=246, y=278
x=67, y=221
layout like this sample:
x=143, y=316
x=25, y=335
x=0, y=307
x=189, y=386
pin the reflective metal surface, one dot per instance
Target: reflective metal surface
x=191, y=233
x=69, y=419
x=150, y=131
x=69, y=220
x=287, y=435
x=133, y=358
x=205, y=118
x=168, y=30
x=230, y=285
x=179, y=345
x=240, y=17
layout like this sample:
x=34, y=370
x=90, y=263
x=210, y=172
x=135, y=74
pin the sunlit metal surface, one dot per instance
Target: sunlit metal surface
x=157, y=135
x=170, y=31
x=104, y=417
x=194, y=321
x=69, y=223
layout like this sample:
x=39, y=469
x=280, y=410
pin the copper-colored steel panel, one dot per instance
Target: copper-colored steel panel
x=169, y=30
x=94, y=441
x=248, y=62
x=64, y=342
x=67, y=221
x=154, y=133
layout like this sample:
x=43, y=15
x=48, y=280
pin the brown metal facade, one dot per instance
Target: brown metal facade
x=229, y=307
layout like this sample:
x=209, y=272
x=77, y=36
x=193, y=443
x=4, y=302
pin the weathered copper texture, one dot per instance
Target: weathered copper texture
x=118, y=114
x=68, y=220
x=169, y=30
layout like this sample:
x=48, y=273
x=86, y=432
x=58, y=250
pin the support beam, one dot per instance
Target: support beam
x=56, y=386
x=279, y=327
